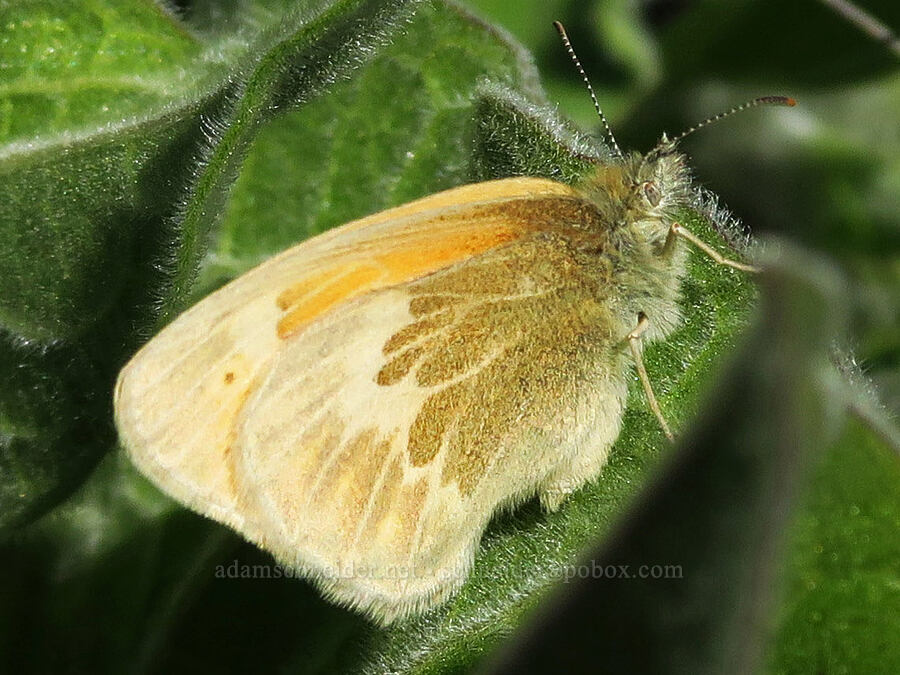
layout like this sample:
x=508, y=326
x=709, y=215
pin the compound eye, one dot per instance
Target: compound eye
x=651, y=193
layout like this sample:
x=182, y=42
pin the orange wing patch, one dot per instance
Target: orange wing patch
x=312, y=297
x=470, y=232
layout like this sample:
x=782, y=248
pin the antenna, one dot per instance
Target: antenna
x=568, y=45
x=762, y=100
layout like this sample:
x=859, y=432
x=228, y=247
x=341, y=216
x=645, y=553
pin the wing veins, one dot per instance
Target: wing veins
x=377, y=487
x=437, y=470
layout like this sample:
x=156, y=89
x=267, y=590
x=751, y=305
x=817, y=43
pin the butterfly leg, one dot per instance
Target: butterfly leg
x=679, y=230
x=634, y=342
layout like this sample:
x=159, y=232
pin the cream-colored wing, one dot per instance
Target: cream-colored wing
x=385, y=436
x=363, y=403
x=177, y=400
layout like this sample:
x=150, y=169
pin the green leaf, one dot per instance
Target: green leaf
x=69, y=67
x=106, y=210
x=841, y=606
x=42, y=388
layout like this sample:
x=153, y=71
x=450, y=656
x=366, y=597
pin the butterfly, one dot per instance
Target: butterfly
x=362, y=404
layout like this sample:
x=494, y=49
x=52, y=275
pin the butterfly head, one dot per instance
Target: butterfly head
x=661, y=178
x=640, y=191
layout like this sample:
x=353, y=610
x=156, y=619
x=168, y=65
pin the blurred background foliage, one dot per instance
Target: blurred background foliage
x=825, y=173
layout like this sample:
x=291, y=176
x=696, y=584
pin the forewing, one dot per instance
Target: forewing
x=177, y=401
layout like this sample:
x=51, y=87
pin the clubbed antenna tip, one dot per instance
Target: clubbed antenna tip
x=762, y=100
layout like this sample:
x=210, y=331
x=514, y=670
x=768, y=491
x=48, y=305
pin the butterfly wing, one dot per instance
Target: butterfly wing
x=386, y=435
x=362, y=403
x=177, y=400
